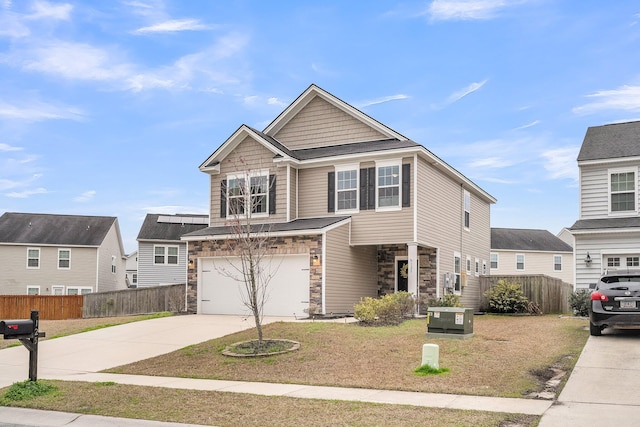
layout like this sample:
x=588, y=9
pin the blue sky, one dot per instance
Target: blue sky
x=109, y=107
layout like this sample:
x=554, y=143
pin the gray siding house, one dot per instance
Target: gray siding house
x=607, y=235
x=45, y=254
x=355, y=209
x=517, y=251
x=162, y=256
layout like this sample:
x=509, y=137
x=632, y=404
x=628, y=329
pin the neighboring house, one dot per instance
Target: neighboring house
x=46, y=254
x=566, y=236
x=525, y=252
x=355, y=210
x=131, y=265
x=162, y=256
x=607, y=235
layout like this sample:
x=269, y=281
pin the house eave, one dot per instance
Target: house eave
x=606, y=231
x=595, y=162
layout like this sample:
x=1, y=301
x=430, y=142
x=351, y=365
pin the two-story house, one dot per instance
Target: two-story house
x=46, y=254
x=162, y=256
x=517, y=251
x=607, y=235
x=355, y=209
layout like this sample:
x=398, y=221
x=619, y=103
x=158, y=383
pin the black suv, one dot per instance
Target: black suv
x=615, y=301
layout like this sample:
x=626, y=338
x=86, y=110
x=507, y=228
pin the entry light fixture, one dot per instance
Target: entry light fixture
x=587, y=260
x=316, y=260
x=191, y=263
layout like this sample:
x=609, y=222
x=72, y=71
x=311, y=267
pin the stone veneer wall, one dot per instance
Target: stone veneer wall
x=426, y=276
x=291, y=245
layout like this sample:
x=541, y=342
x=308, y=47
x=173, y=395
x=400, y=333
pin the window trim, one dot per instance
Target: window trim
x=555, y=263
x=54, y=287
x=36, y=287
x=497, y=255
x=60, y=250
x=468, y=265
x=79, y=289
x=389, y=163
x=246, y=176
x=347, y=168
x=165, y=255
x=477, y=268
x=457, y=273
x=613, y=171
x=523, y=262
x=28, y=258
x=466, y=215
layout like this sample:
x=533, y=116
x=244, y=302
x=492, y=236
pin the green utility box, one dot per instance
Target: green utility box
x=450, y=321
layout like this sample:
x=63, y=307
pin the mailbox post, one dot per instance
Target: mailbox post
x=26, y=331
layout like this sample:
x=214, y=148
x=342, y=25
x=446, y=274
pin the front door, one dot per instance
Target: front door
x=402, y=275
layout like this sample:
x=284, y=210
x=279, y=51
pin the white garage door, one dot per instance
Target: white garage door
x=287, y=293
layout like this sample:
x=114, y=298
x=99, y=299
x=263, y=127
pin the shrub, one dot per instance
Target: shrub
x=449, y=300
x=507, y=297
x=579, y=302
x=388, y=310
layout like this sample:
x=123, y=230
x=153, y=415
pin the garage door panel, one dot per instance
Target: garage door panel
x=222, y=289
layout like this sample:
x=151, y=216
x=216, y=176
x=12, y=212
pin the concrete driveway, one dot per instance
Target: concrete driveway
x=604, y=387
x=109, y=347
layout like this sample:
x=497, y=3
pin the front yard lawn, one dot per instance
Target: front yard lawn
x=507, y=357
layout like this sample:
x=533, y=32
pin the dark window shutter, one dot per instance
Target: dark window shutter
x=364, y=184
x=406, y=179
x=331, y=196
x=272, y=194
x=223, y=198
x=371, y=190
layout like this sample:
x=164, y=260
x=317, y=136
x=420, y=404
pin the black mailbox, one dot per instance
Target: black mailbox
x=12, y=329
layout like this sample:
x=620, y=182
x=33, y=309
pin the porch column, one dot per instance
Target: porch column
x=412, y=284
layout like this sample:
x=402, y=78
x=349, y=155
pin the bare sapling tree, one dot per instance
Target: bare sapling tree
x=246, y=196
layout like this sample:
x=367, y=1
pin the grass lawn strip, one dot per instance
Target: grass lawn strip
x=231, y=409
x=500, y=360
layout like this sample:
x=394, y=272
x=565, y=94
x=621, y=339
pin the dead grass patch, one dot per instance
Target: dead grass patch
x=231, y=409
x=500, y=360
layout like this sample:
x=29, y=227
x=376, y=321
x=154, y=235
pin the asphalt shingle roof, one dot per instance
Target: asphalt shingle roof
x=604, y=223
x=152, y=229
x=295, y=225
x=48, y=229
x=527, y=240
x=611, y=141
x=353, y=148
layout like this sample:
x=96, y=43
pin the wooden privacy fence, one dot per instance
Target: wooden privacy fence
x=551, y=294
x=135, y=301
x=50, y=307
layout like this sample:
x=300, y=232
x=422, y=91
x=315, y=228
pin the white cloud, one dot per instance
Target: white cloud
x=174, y=25
x=85, y=197
x=276, y=101
x=626, y=98
x=382, y=100
x=561, y=162
x=7, y=147
x=473, y=87
x=491, y=163
x=528, y=125
x=46, y=10
x=464, y=10
x=36, y=111
x=26, y=193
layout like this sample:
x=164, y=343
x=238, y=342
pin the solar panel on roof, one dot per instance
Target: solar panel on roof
x=173, y=219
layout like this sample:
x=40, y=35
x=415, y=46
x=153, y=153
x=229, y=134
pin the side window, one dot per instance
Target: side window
x=623, y=194
x=519, y=261
x=64, y=259
x=347, y=188
x=467, y=209
x=457, y=270
x=33, y=290
x=388, y=185
x=557, y=263
x=494, y=261
x=33, y=258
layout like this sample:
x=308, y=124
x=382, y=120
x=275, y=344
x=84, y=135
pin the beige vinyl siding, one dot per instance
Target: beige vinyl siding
x=108, y=281
x=600, y=245
x=320, y=124
x=350, y=272
x=293, y=193
x=440, y=210
x=312, y=192
x=594, y=189
x=15, y=276
x=534, y=263
x=249, y=155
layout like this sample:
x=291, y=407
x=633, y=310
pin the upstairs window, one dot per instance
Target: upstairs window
x=467, y=209
x=623, y=191
x=347, y=189
x=113, y=264
x=64, y=259
x=165, y=255
x=557, y=263
x=388, y=185
x=33, y=258
x=494, y=261
x=457, y=271
x=247, y=193
x=519, y=261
